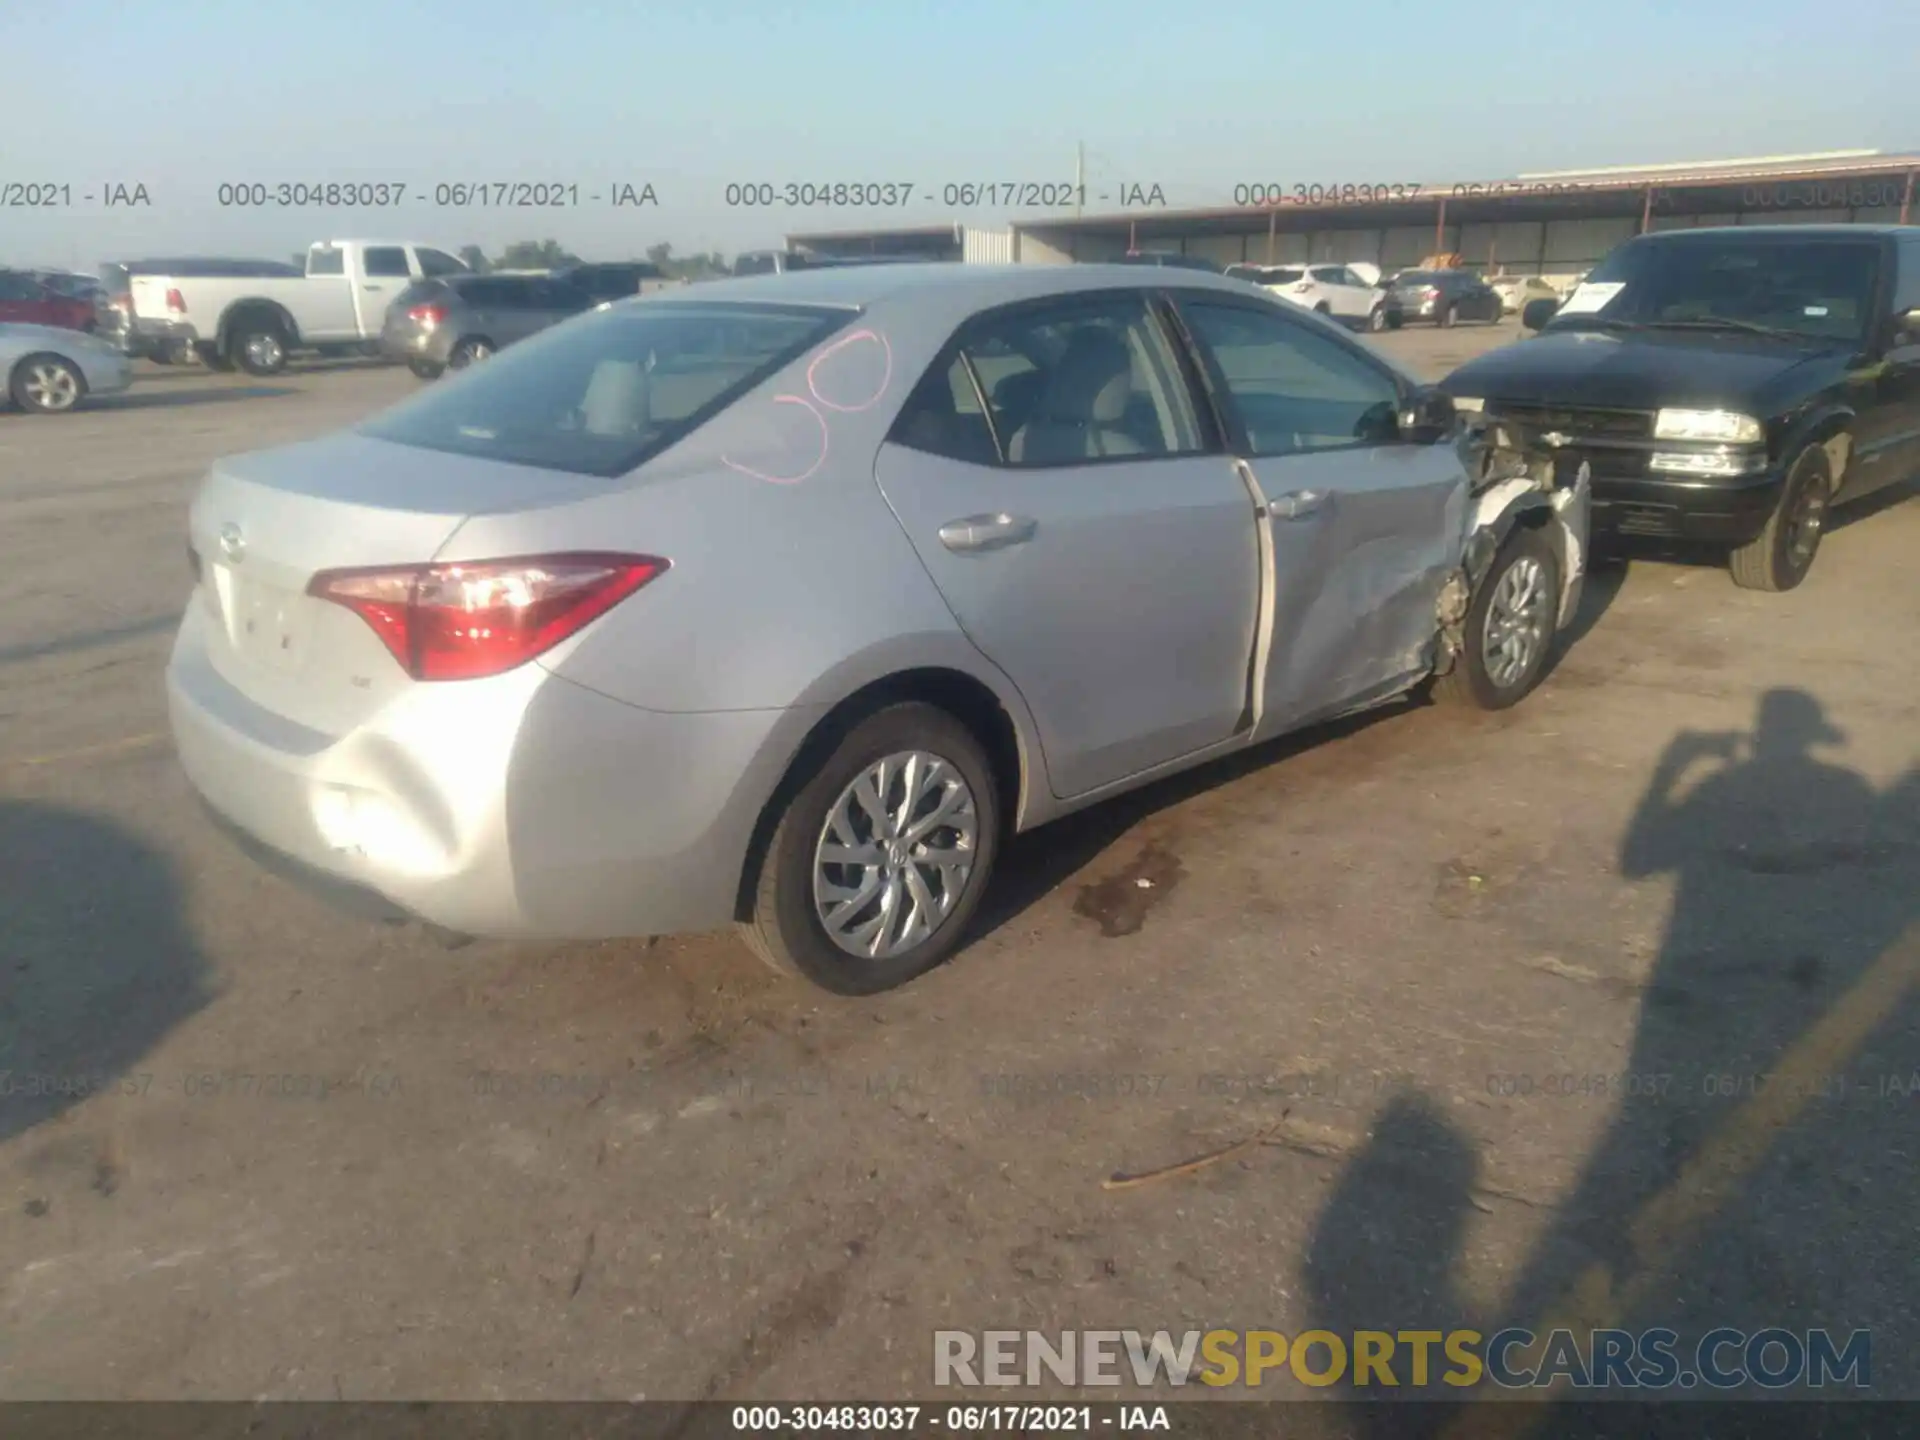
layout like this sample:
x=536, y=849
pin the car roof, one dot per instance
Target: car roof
x=1783, y=232
x=979, y=286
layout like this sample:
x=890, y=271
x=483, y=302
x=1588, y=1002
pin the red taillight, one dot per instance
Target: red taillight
x=471, y=619
x=428, y=315
x=176, y=302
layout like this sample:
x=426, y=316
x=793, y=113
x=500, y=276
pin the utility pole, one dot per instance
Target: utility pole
x=1079, y=176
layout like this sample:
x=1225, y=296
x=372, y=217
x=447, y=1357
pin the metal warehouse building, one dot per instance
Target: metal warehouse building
x=1556, y=225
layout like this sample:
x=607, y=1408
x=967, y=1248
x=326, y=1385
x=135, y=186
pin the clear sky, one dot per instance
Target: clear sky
x=183, y=95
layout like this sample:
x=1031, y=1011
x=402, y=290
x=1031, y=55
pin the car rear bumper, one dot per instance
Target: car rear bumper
x=407, y=345
x=1727, y=512
x=521, y=806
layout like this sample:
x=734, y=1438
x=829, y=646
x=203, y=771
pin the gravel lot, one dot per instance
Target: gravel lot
x=1492, y=990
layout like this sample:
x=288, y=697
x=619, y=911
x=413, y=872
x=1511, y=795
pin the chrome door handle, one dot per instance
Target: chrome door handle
x=1299, y=504
x=986, y=532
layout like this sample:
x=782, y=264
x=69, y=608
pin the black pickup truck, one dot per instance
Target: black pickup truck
x=1726, y=385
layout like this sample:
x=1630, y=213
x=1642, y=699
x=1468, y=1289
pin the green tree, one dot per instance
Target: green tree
x=536, y=255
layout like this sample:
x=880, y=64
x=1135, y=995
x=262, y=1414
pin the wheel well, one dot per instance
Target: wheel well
x=960, y=695
x=255, y=311
x=1834, y=436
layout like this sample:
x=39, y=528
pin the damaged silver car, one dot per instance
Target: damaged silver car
x=787, y=603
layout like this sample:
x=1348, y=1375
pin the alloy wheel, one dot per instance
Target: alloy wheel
x=895, y=855
x=1516, y=622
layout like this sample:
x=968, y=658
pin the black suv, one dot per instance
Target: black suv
x=1727, y=385
x=609, y=280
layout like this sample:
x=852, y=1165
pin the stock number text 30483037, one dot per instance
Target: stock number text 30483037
x=1267, y=193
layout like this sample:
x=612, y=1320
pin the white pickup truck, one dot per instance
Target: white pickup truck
x=255, y=322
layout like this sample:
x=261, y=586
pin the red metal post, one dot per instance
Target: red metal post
x=1440, y=229
x=1906, y=201
x=1273, y=223
x=1131, y=239
x=1646, y=211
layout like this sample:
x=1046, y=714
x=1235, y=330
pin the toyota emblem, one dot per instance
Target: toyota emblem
x=233, y=544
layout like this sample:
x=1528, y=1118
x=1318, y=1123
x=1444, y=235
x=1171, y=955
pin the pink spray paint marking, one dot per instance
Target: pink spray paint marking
x=838, y=347
x=819, y=459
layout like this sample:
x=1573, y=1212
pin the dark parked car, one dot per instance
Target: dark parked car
x=1727, y=385
x=25, y=299
x=1170, y=257
x=610, y=281
x=1443, y=296
x=456, y=320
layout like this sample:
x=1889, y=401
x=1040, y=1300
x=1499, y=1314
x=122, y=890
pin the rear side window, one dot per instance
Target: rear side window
x=326, y=262
x=1072, y=383
x=494, y=290
x=438, y=262
x=601, y=394
x=755, y=265
x=386, y=262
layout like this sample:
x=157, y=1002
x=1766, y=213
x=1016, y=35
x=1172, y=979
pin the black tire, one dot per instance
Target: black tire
x=425, y=369
x=1377, y=319
x=1323, y=308
x=785, y=928
x=1471, y=681
x=470, y=351
x=47, y=384
x=258, y=347
x=213, y=359
x=1395, y=319
x=1780, y=556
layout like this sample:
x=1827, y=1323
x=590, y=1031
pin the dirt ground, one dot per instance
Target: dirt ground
x=1499, y=995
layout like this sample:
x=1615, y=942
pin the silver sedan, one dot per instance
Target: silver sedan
x=47, y=371
x=786, y=601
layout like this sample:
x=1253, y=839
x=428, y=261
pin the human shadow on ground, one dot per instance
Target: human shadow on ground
x=1760, y=1168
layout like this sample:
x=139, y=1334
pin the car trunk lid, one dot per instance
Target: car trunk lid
x=265, y=524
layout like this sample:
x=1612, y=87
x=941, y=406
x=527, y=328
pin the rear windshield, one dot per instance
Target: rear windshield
x=1285, y=276
x=420, y=292
x=601, y=394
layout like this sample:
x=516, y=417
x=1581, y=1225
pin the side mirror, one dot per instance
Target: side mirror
x=1536, y=313
x=1906, y=328
x=1427, y=418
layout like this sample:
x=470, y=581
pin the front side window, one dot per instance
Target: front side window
x=1296, y=391
x=386, y=262
x=600, y=395
x=1805, y=289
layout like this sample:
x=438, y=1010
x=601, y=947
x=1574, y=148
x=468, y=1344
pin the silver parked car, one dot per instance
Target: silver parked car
x=786, y=603
x=47, y=370
x=457, y=320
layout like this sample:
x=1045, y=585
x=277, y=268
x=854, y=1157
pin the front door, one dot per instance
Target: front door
x=1364, y=527
x=1086, y=529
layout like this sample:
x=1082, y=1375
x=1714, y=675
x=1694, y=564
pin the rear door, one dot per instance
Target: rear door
x=1361, y=529
x=1077, y=511
x=23, y=301
x=1887, y=433
x=329, y=307
x=1345, y=296
x=384, y=273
